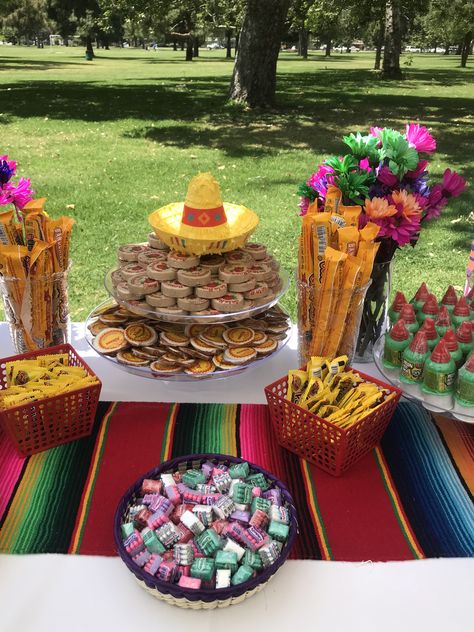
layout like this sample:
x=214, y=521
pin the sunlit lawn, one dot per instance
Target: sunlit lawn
x=122, y=135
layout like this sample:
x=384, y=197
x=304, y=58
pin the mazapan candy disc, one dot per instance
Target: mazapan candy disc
x=110, y=341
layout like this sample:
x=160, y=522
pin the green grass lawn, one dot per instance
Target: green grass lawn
x=121, y=136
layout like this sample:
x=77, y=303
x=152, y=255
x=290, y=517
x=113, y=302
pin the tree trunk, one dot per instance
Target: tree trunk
x=328, y=48
x=175, y=45
x=303, y=43
x=254, y=77
x=466, y=48
x=196, y=47
x=391, y=55
x=189, y=48
x=446, y=49
x=89, y=49
x=228, y=41
x=378, y=54
x=105, y=42
x=237, y=37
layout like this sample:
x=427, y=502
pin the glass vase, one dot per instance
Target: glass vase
x=374, y=322
x=36, y=310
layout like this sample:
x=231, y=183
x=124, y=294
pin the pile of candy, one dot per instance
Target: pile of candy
x=164, y=281
x=212, y=527
x=168, y=348
x=330, y=392
x=46, y=376
x=429, y=348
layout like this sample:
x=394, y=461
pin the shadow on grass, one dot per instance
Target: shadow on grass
x=16, y=63
x=315, y=109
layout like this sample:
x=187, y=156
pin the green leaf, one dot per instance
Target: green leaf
x=304, y=190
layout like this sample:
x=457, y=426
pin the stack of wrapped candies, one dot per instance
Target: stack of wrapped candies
x=212, y=527
x=429, y=348
x=34, y=260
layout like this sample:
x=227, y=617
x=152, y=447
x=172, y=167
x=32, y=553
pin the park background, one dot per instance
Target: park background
x=109, y=140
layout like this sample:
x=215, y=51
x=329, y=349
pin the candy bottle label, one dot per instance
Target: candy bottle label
x=412, y=371
x=440, y=382
x=394, y=356
x=465, y=391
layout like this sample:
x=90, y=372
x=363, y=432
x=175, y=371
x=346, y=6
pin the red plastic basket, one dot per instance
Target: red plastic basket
x=322, y=442
x=50, y=422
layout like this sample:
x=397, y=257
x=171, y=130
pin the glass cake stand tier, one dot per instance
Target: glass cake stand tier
x=146, y=372
x=413, y=392
x=210, y=319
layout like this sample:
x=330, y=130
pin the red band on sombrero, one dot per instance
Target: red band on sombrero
x=204, y=217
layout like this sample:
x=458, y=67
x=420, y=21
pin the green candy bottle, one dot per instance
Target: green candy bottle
x=464, y=394
x=465, y=338
x=443, y=321
x=449, y=299
x=420, y=297
x=461, y=312
x=439, y=378
x=407, y=314
x=413, y=362
x=395, y=308
x=432, y=335
x=429, y=310
x=453, y=347
x=396, y=341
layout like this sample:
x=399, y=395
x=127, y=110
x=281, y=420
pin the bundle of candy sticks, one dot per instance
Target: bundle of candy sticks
x=32, y=252
x=335, y=262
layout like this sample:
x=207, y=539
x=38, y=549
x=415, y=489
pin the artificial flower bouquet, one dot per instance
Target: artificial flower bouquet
x=34, y=262
x=386, y=174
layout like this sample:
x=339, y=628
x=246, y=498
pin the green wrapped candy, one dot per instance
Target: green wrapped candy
x=208, y=542
x=253, y=560
x=227, y=559
x=239, y=470
x=203, y=568
x=261, y=503
x=258, y=480
x=278, y=531
x=242, y=493
x=191, y=478
x=242, y=575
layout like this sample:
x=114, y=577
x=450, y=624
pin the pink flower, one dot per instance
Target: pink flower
x=403, y=232
x=365, y=164
x=436, y=202
x=375, y=131
x=421, y=200
x=320, y=180
x=11, y=163
x=420, y=138
x=303, y=204
x=22, y=193
x=453, y=184
x=385, y=176
x=421, y=166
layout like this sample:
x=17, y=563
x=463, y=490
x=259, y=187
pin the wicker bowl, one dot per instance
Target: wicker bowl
x=202, y=598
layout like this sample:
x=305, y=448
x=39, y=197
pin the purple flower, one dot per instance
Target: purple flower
x=420, y=169
x=420, y=138
x=387, y=177
x=453, y=184
x=7, y=170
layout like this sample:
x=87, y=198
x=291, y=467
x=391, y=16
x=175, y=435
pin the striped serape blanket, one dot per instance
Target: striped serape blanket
x=410, y=498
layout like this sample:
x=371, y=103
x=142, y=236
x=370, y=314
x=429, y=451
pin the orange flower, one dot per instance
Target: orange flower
x=378, y=208
x=409, y=206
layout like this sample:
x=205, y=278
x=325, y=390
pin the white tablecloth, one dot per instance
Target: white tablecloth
x=45, y=593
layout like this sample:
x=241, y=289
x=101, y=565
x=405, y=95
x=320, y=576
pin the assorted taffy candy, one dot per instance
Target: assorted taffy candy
x=331, y=392
x=206, y=528
x=432, y=357
x=46, y=376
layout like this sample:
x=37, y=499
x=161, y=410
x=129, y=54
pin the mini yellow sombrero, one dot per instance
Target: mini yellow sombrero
x=203, y=223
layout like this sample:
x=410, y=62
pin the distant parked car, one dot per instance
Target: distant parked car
x=214, y=46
